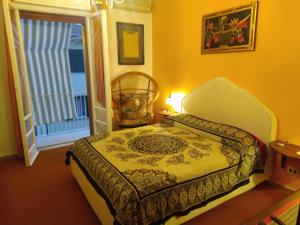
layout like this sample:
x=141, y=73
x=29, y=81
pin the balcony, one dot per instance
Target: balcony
x=68, y=131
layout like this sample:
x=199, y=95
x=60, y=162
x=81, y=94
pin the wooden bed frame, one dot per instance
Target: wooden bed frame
x=221, y=101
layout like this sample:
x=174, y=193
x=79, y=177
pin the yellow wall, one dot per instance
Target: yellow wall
x=271, y=72
x=7, y=138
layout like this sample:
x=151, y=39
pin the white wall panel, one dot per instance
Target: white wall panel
x=71, y=4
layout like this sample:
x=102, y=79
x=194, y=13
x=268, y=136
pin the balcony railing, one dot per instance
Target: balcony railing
x=80, y=122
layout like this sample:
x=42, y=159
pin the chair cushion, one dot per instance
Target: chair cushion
x=133, y=106
x=134, y=123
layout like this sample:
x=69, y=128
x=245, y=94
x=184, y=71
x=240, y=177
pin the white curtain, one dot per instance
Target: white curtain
x=46, y=47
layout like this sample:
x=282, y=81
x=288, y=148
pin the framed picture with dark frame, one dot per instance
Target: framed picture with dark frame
x=229, y=30
x=130, y=38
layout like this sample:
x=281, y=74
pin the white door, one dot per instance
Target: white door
x=99, y=88
x=20, y=77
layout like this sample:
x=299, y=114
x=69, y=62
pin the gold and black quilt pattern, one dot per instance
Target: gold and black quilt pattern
x=151, y=173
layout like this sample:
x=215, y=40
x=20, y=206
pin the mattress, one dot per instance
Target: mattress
x=148, y=175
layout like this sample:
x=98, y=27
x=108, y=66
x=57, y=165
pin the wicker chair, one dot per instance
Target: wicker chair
x=133, y=94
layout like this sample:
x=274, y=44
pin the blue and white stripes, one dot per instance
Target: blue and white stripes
x=46, y=48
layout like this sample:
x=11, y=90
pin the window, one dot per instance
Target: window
x=76, y=60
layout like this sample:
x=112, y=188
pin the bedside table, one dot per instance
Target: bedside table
x=285, y=150
x=161, y=114
x=286, y=168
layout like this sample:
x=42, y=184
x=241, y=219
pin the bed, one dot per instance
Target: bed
x=189, y=163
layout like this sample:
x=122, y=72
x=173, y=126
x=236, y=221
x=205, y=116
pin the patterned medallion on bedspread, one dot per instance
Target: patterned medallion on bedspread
x=157, y=144
x=151, y=173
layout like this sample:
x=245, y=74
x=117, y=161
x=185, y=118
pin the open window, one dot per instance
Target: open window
x=93, y=105
x=96, y=45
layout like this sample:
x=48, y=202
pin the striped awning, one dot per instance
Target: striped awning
x=46, y=47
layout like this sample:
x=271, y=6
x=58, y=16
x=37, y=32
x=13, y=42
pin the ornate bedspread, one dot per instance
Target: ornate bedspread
x=151, y=173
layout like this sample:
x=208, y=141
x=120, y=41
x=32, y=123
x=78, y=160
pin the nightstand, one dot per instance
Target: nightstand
x=161, y=114
x=286, y=169
x=286, y=151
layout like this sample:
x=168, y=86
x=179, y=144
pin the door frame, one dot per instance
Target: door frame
x=63, y=15
x=25, y=121
x=90, y=67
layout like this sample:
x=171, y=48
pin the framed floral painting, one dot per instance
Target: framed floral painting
x=230, y=30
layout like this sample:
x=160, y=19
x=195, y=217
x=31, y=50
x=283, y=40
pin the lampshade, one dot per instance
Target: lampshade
x=175, y=100
x=169, y=100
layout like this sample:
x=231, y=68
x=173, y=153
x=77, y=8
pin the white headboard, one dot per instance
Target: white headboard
x=221, y=101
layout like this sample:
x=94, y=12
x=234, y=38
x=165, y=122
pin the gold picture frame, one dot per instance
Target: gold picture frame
x=229, y=30
x=130, y=38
